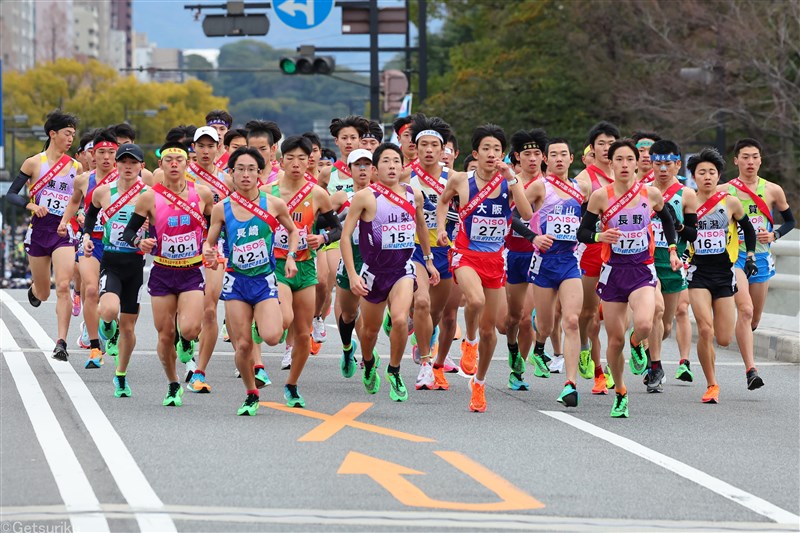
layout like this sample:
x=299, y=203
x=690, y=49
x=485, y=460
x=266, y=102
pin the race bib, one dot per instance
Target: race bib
x=527, y=225
x=397, y=235
x=430, y=218
x=117, y=229
x=658, y=233
x=536, y=263
x=227, y=283
x=282, y=238
x=709, y=242
x=631, y=242
x=367, y=276
x=605, y=273
x=55, y=202
x=251, y=254
x=563, y=227
x=488, y=229
x=759, y=223
x=181, y=246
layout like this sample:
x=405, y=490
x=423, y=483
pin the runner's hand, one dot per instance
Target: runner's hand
x=315, y=241
x=675, y=262
x=147, y=245
x=433, y=273
x=62, y=229
x=357, y=286
x=442, y=238
x=765, y=237
x=543, y=242
x=88, y=246
x=40, y=211
x=210, y=257
x=502, y=167
x=609, y=236
x=81, y=218
x=291, y=268
x=750, y=268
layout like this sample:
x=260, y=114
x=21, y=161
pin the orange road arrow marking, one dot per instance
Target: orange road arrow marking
x=334, y=423
x=390, y=476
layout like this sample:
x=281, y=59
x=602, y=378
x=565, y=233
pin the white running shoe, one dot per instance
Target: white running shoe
x=425, y=377
x=557, y=364
x=318, y=332
x=83, y=338
x=286, y=362
x=450, y=366
x=190, y=366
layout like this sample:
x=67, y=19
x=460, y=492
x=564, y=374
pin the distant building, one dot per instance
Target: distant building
x=53, y=29
x=86, y=41
x=150, y=58
x=17, y=42
x=122, y=21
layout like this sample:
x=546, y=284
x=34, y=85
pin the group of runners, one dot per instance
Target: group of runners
x=391, y=237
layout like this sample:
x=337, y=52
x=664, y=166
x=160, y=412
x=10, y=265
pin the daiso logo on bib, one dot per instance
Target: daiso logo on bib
x=250, y=246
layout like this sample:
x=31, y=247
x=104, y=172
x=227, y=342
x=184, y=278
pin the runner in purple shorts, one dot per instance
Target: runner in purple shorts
x=389, y=214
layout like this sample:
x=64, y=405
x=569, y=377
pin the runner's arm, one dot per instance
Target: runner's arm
x=518, y=225
x=74, y=200
x=346, y=241
x=788, y=223
x=142, y=210
x=749, y=234
x=688, y=231
x=13, y=191
x=586, y=232
x=91, y=218
x=668, y=223
x=329, y=223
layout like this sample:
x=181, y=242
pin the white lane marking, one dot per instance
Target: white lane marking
x=71, y=480
x=126, y=473
x=726, y=490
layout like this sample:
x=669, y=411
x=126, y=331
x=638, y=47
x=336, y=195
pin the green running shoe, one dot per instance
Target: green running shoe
x=262, y=379
x=283, y=337
x=540, y=368
x=347, y=364
x=371, y=379
x=638, y=360
x=174, y=396
x=620, y=407
x=249, y=407
x=684, y=373
x=254, y=333
x=516, y=363
x=585, y=364
x=121, y=387
x=184, y=354
x=387, y=323
x=609, y=378
x=569, y=396
x=293, y=398
x=516, y=382
x=106, y=334
x=397, y=391
x=112, y=345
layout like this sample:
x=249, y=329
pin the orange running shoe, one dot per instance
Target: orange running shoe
x=600, y=385
x=469, y=357
x=711, y=395
x=477, y=403
x=439, y=381
x=315, y=347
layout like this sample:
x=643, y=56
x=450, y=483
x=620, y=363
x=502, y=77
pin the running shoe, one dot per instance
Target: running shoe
x=105, y=333
x=190, y=366
x=469, y=357
x=397, y=389
x=293, y=398
x=225, y=336
x=60, y=351
x=568, y=396
x=516, y=363
x=638, y=360
x=600, y=385
x=174, y=396
x=254, y=333
x=318, y=331
x=517, y=382
x=439, y=380
x=416, y=356
x=609, y=377
x=121, y=387
x=347, y=364
x=198, y=384
x=754, y=381
x=76, y=303
x=33, y=300
x=95, y=359
x=387, y=323
x=557, y=364
x=655, y=379
x=585, y=364
x=684, y=373
x=425, y=378
x=450, y=366
x=83, y=338
x=477, y=402
x=249, y=407
x=371, y=378
x=540, y=368
x=112, y=345
x=315, y=347
x=286, y=361
x=262, y=379
x=620, y=407
x=711, y=395
x=185, y=353
x=283, y=337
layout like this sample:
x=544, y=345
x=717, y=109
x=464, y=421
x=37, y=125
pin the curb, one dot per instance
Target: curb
x=769, y=344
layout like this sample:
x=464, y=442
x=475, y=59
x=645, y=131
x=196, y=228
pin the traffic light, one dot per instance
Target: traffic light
x=235, y=25
x=307, y=62
x=394, y=86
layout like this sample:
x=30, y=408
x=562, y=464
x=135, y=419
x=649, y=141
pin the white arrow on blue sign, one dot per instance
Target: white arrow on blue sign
x=303, y=14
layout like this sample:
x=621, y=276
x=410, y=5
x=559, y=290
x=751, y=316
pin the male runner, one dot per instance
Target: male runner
x=221, y=121
x=264, y=136
x=450, y=152
x=233, y=140
x=373, y=138
x=644, y=169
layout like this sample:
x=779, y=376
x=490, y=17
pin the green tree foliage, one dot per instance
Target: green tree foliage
x=194, y=61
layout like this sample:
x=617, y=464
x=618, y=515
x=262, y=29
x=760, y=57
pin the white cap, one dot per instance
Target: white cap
x=206, y=130
x=355, y=155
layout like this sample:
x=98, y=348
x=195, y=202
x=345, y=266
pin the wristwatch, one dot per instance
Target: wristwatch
x=427, y=257
x=293, y=255
x=514, y=181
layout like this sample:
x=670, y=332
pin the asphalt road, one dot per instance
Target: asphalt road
x=73, y=457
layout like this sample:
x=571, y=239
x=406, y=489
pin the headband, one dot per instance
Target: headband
x=587, y=149
x=533, y=145
x=369, y=135
x=644, y=143
x=432, y=133
x=105, y=144
x=323, y=158
x=217, y=121
x=665, y=157
x=403, y=128
x=174, y=151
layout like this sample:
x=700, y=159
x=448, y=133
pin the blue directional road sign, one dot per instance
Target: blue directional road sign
x=303, y=14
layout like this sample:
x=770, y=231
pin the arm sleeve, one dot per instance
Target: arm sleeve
x=788, y=223
x=521, y=227
x=330, y=222
x=588, y=225
x=669, y=225
x=749, y=233
x=13, y=195
x=584, y=207
x=91, y=218
x=689, y=231
x=136, y=222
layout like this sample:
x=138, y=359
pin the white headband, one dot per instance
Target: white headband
x=429, y=132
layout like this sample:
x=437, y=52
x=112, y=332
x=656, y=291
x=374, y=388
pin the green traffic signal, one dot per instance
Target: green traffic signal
x=288, y=66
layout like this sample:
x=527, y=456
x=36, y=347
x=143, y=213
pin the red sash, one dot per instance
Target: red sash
x=344, y=206
x=410, y=163
x=710, y=203
x=482, y=195
x=181, y=204
x=341, y=167
x=256, y=210
x=760, y=203
x=120, y=202
x=53, y=172
x=593, y=171
x=297, y=198
x=309, y=178
x=566, y=188
x=111, y=176
x=395, y=199
x=621, y=202
x=649, y=178
x=668, y=194
x=222, y=162
x=208, y=178
x=426, y=178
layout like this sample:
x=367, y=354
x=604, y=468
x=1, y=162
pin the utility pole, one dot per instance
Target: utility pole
x=422, y=26
x=374, y=68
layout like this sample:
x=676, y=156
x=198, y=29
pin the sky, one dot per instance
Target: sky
x=168, y=24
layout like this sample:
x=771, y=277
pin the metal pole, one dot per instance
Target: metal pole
x=374, y=75
x=423, y=50
x=408, y=39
